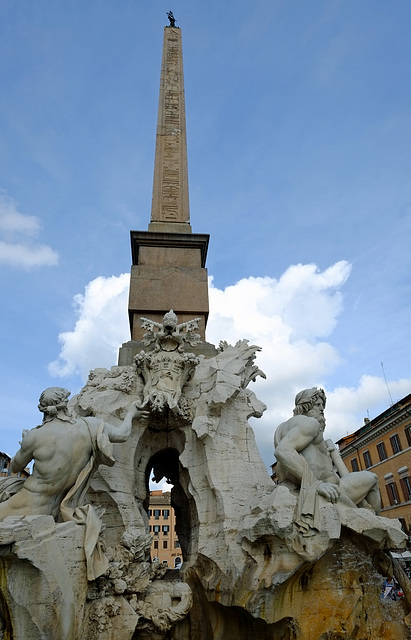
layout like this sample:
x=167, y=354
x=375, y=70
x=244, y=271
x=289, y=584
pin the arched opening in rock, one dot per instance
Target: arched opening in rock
x=166, y=465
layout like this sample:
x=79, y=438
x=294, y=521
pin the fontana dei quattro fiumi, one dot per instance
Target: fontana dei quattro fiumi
x=301, y=559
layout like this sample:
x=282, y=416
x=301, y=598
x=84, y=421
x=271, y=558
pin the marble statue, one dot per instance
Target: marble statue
x=302, y=558
x=66, y=453
x=305, y=458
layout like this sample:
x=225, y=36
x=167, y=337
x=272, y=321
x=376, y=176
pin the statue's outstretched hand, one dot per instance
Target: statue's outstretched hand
x=139, y=413
x=330, y=446
x=23, y=434
x=329, y=491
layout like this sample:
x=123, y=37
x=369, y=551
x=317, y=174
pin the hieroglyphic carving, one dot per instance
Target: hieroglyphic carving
x=170, y=182
x=170, y=199
x=170, y=190
x=170, y=185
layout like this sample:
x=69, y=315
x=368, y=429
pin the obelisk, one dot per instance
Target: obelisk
x=170, y=204
x=168, y=270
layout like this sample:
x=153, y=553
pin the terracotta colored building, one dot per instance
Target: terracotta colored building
x=383, y=445
x=165, y=546
x=5, y=467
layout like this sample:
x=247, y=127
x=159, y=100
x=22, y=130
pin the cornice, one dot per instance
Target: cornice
x=376, y=433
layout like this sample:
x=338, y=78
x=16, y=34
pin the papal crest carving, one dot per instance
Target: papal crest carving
x=167, y=367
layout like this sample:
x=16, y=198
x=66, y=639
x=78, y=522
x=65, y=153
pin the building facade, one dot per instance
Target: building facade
x=383, y=445
x=165, y=546
x=5, y=467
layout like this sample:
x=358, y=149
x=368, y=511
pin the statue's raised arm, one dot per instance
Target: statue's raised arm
x=62, y=447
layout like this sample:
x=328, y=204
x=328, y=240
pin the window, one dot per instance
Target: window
x=155, y=544
x=149, y=513
x=395, y=444
x=367, y=459
x=354, y=464
x=177, y=544
x=382, y=454
x=392, y=493
x=165, y=544
x=157, y=513
x=408, y=435
x=406, y=487
x=166, y=513
x=165, y=529
x=149, y=528
x=156, y=528
x=177, y=562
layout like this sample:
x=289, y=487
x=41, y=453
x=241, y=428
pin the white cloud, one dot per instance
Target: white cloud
x=303, y=303
x=160, y=486
x=27, y=255
x=14, y=225
x=101, y=327
x=11, y=221
x=290, y=318
x=345, y=404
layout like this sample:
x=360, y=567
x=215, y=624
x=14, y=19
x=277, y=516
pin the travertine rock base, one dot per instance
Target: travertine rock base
x=247, y=571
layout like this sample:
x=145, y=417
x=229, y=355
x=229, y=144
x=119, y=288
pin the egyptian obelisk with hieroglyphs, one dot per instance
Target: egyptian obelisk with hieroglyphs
x=168, y=270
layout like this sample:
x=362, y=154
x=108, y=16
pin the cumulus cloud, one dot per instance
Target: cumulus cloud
x=27, y=255
x=290, y=318
x=18, y=248
x=101, y=327
x=345, y=404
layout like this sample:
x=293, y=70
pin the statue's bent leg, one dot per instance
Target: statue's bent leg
x=362, y=485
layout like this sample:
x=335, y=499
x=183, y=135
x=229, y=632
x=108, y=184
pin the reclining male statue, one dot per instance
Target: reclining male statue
x=305, y=459
x=66, y=453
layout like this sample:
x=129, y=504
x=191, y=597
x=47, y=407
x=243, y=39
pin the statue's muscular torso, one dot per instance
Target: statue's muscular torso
x=303, y=435
x=319, y=461
x=61, y=450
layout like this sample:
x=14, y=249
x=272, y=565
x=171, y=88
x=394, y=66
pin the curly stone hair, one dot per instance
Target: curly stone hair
x=304, y=401
x=52, y=400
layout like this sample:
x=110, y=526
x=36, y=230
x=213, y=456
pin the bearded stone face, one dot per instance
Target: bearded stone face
x=317, y=412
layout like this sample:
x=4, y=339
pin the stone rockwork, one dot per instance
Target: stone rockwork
x=249, y=568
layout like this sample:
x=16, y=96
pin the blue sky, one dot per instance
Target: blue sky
x=299, y=123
